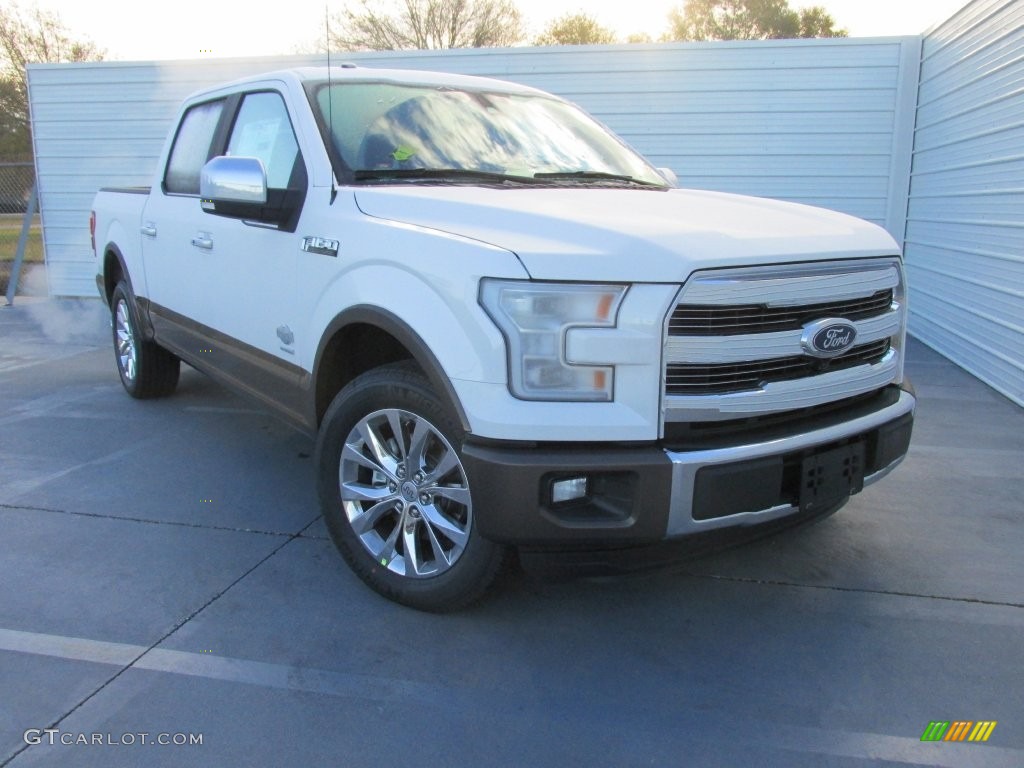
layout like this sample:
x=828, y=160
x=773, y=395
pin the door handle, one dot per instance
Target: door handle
x=203, y=240
x=148, y=229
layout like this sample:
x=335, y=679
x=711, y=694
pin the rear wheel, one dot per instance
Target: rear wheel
x=395, y=495
x=146, y=369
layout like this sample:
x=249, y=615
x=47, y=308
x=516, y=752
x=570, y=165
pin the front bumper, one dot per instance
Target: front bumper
x=644, y=494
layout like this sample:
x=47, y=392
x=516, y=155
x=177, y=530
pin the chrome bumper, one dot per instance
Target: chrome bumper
x=685, y=466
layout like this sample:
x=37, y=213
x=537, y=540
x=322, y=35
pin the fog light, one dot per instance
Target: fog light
x=569, y=489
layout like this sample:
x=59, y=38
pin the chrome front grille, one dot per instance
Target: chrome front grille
x=733, y=341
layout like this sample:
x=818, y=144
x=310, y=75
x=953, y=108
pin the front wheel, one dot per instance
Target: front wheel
x=395, y=495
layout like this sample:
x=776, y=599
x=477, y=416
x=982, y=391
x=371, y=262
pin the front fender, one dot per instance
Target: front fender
x=421, y=287
x=399, y=329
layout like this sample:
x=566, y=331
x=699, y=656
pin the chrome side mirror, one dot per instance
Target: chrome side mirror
x=233, y=180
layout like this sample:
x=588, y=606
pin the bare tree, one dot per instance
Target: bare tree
x=390, y=25
x=575, y=29
x=29, y=36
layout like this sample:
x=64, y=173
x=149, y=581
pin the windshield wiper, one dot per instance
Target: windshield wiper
x=471, y=174
x=592, y=176
x=436, y=174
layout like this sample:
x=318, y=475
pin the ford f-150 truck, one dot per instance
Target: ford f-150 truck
x=504, y=327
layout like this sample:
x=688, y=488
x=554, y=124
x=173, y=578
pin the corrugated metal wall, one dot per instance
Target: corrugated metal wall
x=965, y=228
x=826, y=122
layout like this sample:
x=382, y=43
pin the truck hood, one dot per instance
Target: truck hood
x=628, y=235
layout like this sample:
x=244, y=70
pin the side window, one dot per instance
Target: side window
x=191, y=148
x=262, y=129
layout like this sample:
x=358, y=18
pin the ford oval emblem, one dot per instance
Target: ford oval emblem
x=828, y=338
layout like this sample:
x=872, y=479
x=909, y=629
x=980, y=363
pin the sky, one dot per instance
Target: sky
x=190, y=29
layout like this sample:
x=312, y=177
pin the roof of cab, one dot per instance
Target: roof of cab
x=350, y=73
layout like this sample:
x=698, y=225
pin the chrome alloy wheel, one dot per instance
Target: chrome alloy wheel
x=126, y=354
x=405, y=493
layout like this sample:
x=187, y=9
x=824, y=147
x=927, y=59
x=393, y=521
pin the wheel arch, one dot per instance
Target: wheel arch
x=388, y=339
x=114, y=270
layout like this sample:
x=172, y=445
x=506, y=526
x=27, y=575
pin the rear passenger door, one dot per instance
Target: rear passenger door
x=175, y=288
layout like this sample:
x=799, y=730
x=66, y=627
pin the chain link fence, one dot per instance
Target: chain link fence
x=17, y=182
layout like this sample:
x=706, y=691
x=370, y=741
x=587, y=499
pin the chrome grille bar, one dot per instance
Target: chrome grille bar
x=696, y=379
x=711, y=320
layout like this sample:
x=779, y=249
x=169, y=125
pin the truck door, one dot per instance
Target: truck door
x=174, y=280
x=227, y=285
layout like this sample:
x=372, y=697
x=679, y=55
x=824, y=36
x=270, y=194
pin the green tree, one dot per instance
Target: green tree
x=639, y=37
x=391, y=25
x=15, y=140
x=575, y=29
x=817, y=22
x=26, y=37
x=748, y=20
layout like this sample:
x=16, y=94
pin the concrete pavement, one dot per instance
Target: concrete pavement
x=166, y=573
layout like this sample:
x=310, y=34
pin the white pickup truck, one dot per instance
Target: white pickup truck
x=503, y=325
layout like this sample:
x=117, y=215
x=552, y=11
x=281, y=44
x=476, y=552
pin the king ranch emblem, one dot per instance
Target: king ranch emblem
x=828, y=338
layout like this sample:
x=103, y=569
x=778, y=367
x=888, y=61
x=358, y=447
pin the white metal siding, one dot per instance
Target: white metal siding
x=824, y=122
x=965, y=227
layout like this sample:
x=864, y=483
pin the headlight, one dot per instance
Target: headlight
x=534, y=318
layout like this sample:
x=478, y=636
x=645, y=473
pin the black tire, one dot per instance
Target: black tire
x=395, y=496
x=146, y=369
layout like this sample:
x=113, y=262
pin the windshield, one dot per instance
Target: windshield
x=386, y=131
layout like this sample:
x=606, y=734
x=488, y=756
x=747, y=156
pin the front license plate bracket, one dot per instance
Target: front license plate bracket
x=829, y=477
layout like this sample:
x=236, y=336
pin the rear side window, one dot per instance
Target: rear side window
x=191, y=148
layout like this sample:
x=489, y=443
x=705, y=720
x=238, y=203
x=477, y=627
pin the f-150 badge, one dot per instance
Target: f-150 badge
x=320, y=245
